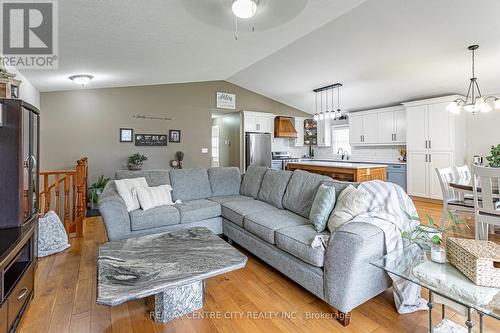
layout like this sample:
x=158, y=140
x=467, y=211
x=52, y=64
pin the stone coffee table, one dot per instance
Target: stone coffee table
x=168, y=269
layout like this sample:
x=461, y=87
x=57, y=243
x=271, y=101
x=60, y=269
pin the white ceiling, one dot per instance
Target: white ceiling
x=383, y=51
x=138, y=42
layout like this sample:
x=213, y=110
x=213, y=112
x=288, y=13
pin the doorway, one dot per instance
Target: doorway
x=225, y=137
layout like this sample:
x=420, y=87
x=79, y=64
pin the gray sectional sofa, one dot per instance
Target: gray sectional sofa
x=266, y=212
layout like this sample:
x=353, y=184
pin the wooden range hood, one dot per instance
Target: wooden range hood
x=283, y=127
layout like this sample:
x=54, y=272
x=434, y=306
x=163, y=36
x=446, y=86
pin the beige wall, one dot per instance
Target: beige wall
x=86, y=122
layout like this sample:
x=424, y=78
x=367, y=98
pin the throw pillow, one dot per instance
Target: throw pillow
x=126, y=189
x=350, y=203
x=151, y=197
x=322, y=206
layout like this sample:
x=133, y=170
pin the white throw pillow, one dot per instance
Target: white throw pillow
x=126, y=189
x=350, y=203
x=151, y=197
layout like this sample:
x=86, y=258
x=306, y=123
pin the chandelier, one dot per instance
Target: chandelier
x=336, y=114
x=474, y=102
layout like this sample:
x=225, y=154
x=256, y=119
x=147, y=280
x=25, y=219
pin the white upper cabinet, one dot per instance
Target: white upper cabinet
x=260, y=122
x=299, y=127
x=378, y=127
x=441, y=129
x=324, y=132
x=417, y=131
x=355, y=130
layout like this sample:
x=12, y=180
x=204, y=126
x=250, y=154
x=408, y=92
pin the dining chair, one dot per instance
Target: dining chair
x=463, y=172
x=485, y=185
x=451, y=200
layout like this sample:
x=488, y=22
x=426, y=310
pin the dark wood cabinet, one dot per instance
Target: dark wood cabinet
x=19, y=207
x=19, y=167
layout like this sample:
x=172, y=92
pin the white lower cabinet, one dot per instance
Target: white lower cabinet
x=418, y=169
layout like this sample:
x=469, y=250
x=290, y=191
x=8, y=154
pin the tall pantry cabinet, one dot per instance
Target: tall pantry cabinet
x=435, y=138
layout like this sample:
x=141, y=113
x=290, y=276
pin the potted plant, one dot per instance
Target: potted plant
x=430, y=233
x=494, y=158
x=136, y=161
x=96, y=189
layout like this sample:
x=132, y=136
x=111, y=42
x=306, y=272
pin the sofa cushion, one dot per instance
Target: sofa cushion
x=273, y=187
x=153, y=177
x=224, y=181
x=301, y=190
x=297, y=240
x=339, y=185
x=190, y=184
x=197, y=210
x=263, y=224
x=155, y=217
x=252, y=180
x=322, y=206
x=235, y=211
x=228, y=198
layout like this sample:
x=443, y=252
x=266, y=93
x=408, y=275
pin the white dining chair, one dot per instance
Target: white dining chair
x=463, y=172
x=451, y=200
x=485, y=182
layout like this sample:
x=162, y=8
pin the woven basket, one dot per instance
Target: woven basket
x=478, y=260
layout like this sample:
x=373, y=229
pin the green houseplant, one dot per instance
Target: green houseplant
x=494, y=158
x=431, y=233
x=96, y=189
x=136, y=161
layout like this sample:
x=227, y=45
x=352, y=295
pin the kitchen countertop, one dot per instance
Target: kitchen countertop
x=345, y=165
x=350, y=161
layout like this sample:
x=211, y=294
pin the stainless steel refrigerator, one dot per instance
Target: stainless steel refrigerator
x=257, y=149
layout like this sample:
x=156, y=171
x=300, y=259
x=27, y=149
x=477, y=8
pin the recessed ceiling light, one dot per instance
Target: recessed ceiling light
x=81, y=79
x=244, y=8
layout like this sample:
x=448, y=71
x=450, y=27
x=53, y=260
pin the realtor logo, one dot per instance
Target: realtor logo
x=29, y=33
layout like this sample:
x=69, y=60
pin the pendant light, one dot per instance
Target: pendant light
x=327, y=112
x=321, y=114
x=474, y=102
x=316, y=116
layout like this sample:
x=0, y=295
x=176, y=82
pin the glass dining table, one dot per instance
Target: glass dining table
x=413, y=263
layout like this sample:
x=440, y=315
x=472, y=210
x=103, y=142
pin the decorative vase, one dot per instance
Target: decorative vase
x=438, y=254
x=134, y=167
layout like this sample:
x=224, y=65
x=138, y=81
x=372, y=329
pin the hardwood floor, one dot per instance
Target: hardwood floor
x=254, y=299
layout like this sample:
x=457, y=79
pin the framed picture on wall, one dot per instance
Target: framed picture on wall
x=174, y=136
x=126, y=135
x=151, y=140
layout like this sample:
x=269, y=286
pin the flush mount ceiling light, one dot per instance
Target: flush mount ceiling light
x=244, y=9
x=81, y=79
x=474, y=102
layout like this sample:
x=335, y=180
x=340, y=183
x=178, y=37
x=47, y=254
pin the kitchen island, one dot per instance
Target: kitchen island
x=353, y=172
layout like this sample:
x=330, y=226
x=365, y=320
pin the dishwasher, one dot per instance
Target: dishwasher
x=396, y=173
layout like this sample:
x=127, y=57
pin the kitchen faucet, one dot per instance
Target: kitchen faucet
x=341, y=149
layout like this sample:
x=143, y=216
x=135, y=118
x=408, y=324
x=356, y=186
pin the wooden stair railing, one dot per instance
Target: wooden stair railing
x=69, y=188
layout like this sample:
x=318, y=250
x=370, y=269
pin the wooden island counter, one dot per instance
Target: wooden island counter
x=354, y=172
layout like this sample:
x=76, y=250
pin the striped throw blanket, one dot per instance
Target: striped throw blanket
x=388, y=210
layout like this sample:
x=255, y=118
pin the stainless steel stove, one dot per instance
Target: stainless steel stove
x=280, y=159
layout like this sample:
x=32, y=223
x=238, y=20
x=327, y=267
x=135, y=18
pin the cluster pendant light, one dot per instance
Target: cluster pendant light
x=329, y=112
x=474, y=102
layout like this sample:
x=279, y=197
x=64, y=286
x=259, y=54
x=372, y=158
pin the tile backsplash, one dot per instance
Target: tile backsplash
x=284, y=144
x=368, y=154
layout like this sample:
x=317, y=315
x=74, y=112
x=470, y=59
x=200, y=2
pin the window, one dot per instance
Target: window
x=340, y=139
x=215, y=145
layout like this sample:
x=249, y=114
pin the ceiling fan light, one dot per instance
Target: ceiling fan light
x=244, y=8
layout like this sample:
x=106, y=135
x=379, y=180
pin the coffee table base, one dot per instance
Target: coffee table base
x=175, y=302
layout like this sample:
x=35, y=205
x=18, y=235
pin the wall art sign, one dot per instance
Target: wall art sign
x=156, y=140
x=226, y=101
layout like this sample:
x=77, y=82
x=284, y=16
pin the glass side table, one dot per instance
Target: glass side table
x=412, y=263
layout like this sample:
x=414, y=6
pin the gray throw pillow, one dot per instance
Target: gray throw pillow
x=322, y=206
